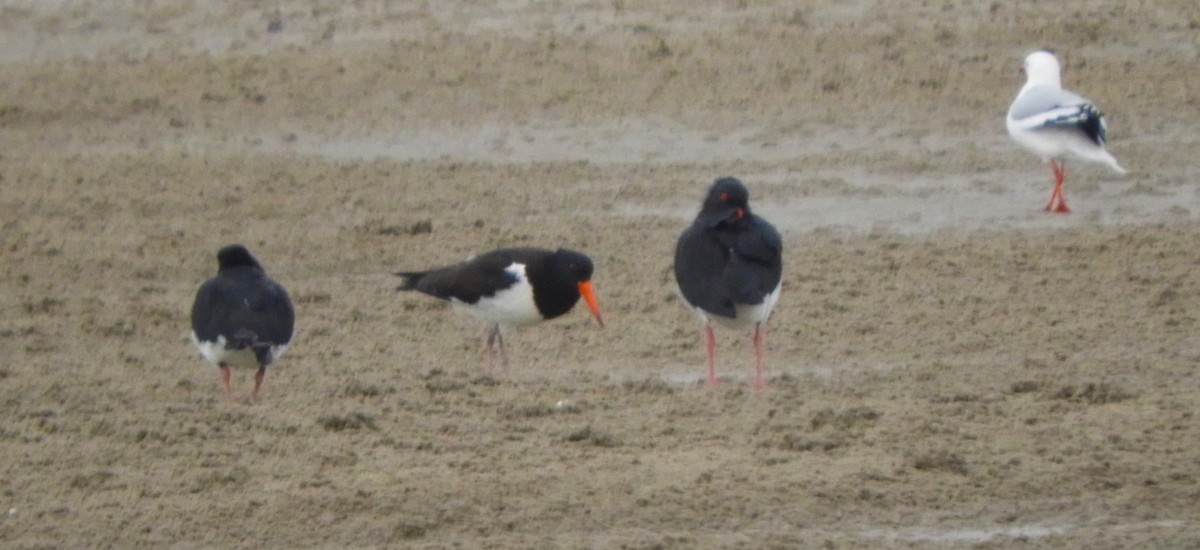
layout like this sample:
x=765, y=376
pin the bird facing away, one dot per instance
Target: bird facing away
x=510, y=287
x=1054, y=123
x=241, y=318
x=729, y=268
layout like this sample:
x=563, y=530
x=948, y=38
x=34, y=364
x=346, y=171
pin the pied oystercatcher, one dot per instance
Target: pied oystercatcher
x=1053, y=122
x=241, y=318
x=729, y=267
x=510, y=287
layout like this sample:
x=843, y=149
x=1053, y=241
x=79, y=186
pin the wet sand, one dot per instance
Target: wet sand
x=949, y=366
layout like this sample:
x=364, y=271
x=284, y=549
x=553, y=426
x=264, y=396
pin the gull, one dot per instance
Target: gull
x=1054, y=123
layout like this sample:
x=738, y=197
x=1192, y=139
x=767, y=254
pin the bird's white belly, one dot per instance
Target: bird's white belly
x=1052, y=143
x=746, y=315
x=216, y=353
x=511, y=306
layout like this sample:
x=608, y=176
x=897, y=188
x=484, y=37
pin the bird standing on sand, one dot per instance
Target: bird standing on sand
x=241, y=318
x=729, y=268
x=511, y=287
x=1053, y=122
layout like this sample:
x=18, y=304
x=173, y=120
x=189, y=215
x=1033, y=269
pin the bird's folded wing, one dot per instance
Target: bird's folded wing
x=1057, y=117
x=1036, y=105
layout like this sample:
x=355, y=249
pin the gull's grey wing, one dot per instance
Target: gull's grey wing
x=1050, y=107
x=1039, y=101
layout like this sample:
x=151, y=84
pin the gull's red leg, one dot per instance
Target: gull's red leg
x=1057, y=202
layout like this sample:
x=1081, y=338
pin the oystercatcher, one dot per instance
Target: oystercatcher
x=241, y=318
x=510, y=287
x=1053, y=122
x=729, y=267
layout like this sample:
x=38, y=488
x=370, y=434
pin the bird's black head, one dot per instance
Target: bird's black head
x=236, y=255
x=727, y=202
x=573, y=280
x=578, y=266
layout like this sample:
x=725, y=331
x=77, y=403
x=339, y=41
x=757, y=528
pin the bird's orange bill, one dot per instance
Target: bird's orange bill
x=585, y=290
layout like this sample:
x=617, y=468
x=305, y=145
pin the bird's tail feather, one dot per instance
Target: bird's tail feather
x=409, y=280
x=246, y=338
x=1111, y=161
x=1100, y=155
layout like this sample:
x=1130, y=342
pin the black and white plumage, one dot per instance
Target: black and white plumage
x=511, y=287
x=1054, y=123
x=729, y=267
x=241, y=318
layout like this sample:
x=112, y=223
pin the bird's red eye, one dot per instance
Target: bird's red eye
x=724, y=197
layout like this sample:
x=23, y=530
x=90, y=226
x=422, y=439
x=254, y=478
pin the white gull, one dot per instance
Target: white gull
x=1053, y=122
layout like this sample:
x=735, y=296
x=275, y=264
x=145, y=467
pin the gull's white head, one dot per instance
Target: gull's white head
x=1041, y=67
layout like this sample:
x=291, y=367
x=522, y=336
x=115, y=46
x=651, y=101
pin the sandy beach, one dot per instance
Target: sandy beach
x=948, y=367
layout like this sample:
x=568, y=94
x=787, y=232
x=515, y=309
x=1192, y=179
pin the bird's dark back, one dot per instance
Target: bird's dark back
x=554, y=275
x=719, y=267
x=241, y=301
x=470, y=280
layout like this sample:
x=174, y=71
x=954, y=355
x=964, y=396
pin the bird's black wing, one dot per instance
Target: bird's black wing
x=483, y=275
x=246, y=307
x=756, y=267
x=700, y=260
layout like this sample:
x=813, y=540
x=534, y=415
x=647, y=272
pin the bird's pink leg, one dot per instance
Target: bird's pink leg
x=1057, y=202
x=760, y=342
x=500, y=350
x=225, y=385
x=258, y=380
x=492, y=334
x=495, y=349
x=710, y=345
